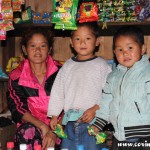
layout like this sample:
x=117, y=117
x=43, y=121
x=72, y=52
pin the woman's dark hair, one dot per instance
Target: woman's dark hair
x=48, y=34
x=133, y=31
x=91, y=25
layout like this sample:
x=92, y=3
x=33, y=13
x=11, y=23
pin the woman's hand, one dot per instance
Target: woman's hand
x=53, y=123
x=48, y=137
x=49, y=140
x=44, y=129
x=89, y=114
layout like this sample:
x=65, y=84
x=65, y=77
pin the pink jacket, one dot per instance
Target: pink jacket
x=26, y=94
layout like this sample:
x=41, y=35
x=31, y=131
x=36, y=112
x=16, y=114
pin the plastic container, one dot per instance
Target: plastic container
x=50, y=148
x=80, y=147
x=104, y=148
x=37, y=147
x=23, y=146
x=10, y=146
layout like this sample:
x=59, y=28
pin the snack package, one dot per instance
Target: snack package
x=2, y=34
x=59, y=132
x=64, y=14
x=16, y=5
x=13, y=63
x=88, y=12
x=27, y=15
x=145, y=13
x=7, y=14
x=2, y=74
x=100, y=137
x=6, y=3
x=41, y=18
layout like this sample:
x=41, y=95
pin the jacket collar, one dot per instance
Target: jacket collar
x=27, y=78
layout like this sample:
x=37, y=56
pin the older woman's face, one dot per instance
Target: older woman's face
x=37, y=49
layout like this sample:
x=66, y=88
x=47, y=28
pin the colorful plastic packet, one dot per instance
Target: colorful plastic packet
x=59, y=132
x=100, y=137
x=88, y=12
x=64, y=14
x=27, y=15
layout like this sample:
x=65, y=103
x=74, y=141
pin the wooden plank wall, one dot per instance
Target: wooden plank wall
x=40, y=5
x=6, y=51
x=62, y=50
x=147, y=42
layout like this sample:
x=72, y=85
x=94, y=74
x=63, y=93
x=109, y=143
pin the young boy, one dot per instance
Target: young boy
x=78, y=87
x=126, y=95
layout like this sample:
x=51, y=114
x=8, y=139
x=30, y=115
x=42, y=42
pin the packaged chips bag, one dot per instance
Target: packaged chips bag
x=59, y=132
x=100, y=137
x=88, y=12
x=64, y=14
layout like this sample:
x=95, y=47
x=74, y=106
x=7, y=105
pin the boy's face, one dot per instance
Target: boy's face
x=128, y=51
x=84, y=43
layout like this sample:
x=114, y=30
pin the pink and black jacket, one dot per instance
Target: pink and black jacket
x=26, y=94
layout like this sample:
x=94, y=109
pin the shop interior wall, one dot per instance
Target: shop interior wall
x=61, y=45
x=62, y=49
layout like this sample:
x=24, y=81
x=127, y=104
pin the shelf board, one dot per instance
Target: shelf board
x=112, y=27
x=3, y=79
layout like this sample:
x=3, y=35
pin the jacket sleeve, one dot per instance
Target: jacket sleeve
x=103, y=114
x=56, y=102
x=17, y=101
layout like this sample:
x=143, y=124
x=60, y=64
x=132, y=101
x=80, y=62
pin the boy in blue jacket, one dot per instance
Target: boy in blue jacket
x=126, y=95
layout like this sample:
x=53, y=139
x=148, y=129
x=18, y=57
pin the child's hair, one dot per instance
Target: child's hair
x=91, y=25
x=48, y=34
x=132, y=31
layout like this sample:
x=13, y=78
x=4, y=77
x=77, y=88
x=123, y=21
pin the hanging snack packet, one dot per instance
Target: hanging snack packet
x=2, y=34
x=88, y=12
x=64, y=14
x=27, y=15
x=16, y=5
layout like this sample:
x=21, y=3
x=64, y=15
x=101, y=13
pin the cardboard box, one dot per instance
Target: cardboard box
x=7, y=134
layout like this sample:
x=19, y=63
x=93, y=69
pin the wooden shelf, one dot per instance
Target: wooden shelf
x=109, y=31
x=20, y=28
x=3, y=79
x=112, y=27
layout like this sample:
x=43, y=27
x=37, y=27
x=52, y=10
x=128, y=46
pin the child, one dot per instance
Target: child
x=126, y=95
x=78, y=87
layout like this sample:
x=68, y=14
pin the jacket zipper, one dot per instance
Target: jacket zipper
x=137, y=107
x=120, y=93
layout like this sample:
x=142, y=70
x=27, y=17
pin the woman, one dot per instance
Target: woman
x=29, y=90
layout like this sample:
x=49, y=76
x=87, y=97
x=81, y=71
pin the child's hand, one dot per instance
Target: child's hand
x=89, y=114
x=53, y=123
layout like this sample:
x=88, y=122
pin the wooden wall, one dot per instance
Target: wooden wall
x=40, y=5
x=62, y=49
x=6, y=51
